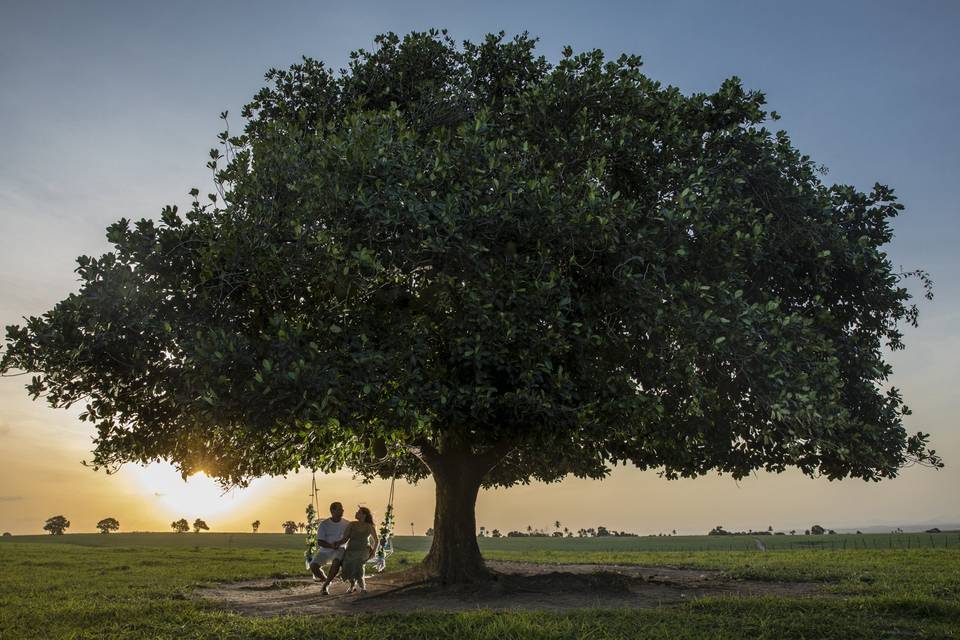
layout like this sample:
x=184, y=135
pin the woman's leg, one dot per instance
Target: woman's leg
x=317, y=571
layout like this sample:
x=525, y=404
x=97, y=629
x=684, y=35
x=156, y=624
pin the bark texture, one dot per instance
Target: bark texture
x=454, y=555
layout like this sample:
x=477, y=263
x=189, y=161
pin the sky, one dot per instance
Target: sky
x=108, y=109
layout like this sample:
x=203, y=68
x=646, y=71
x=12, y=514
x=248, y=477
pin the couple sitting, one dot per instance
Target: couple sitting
x=335, y=532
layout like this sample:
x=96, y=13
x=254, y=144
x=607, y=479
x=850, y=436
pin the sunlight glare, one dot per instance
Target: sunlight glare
x=197, y=496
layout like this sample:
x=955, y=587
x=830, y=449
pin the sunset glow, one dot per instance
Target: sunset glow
x=197, y=496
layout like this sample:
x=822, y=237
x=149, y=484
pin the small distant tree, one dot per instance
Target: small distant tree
x=199, y=525
x=602, y=531
x=806, y=532
x=108, y=524
x=817, y=530
x=793, y=532
x=289, y=527
x=770, y=528
x=429, y=533
x=56, y=525
x=301, y=526
x=496, y=534
x=556, y=525
x=7, y=534
x=831, y=532
x=674, y=532
x=718, y=531
x=180, y=526
x=255, y=525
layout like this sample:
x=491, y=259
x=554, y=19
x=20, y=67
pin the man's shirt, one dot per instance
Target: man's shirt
x=330, y=531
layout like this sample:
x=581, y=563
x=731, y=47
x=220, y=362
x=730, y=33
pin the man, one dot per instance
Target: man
x=329, y=531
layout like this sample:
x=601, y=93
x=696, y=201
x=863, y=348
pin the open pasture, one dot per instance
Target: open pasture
x=607, y=544
x=145, y=586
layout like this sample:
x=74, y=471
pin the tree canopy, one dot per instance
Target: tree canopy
x=464, y=257
x=180, y=526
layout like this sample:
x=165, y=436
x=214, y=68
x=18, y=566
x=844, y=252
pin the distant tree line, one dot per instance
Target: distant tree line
x=57, y=525
x=558, y=532
x=815, y=530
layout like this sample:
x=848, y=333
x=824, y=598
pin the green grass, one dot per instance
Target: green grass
x=137, y=586
x=947, y=540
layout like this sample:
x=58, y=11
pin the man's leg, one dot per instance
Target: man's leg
x=334, y=569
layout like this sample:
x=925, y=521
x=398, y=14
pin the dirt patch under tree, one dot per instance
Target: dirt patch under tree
x=518, y=585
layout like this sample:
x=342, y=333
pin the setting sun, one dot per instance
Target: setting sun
x=198, y=495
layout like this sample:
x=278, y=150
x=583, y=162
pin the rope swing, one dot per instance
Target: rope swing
x=385, y=546
x=385, y=534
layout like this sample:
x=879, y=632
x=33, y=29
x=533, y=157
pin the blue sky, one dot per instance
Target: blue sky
x=107, y=109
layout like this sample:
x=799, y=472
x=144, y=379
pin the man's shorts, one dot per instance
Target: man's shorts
x=325, y=555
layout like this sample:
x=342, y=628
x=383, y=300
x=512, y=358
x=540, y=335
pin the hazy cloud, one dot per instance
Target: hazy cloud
x=10, y=498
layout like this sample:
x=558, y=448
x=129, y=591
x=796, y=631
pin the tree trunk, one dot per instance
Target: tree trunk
x=454, y=556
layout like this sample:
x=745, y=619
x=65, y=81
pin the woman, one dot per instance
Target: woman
x=359, y=548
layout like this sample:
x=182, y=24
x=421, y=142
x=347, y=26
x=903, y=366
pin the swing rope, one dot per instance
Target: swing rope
x=313, y=520
x=385, y=546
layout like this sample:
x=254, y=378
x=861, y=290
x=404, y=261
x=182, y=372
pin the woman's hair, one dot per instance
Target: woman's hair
x=366, y=516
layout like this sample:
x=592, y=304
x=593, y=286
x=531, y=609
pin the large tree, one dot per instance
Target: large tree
x=464, y=262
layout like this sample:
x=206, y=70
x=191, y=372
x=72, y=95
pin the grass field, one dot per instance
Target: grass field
x=945, y=540
x=138, y=586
